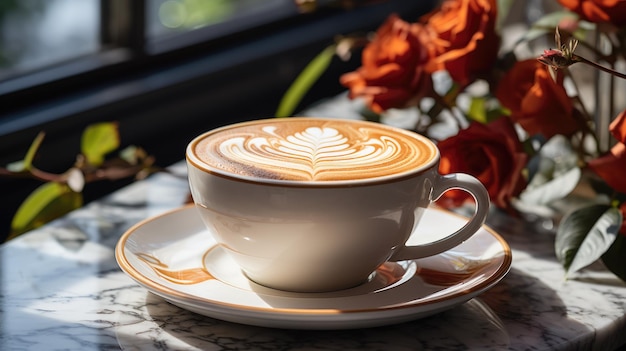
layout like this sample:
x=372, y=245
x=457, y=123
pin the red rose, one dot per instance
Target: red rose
x=611, y=167
x=490, y=152
x=463, y=38
x=392, y=72
x=612, y=11
x=538, y=103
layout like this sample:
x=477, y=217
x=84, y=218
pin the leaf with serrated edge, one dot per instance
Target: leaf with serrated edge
x=585, y=235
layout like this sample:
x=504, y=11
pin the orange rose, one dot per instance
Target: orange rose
x=612, y=11
x=516, y=83
x=392, y=72
x=618, y=127
x=612, y=167
x=463, y=38
x=490, y=152
x=537, y=103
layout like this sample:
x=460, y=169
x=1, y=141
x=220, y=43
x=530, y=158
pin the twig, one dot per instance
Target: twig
x=577, y=58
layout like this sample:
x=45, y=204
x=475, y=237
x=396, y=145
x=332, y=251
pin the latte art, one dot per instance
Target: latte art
x=320, y=150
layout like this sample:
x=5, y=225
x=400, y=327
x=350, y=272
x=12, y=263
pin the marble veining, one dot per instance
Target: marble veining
x=61, y=289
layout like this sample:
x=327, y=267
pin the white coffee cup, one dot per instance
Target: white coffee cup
x=314, y=204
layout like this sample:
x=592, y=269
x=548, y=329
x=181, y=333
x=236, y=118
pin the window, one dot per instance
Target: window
x=75, y=36
x=39, y=33
x=164, y=69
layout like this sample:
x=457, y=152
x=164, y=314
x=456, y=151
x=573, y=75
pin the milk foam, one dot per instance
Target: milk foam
x=313, y=149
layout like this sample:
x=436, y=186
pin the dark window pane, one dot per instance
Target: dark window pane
x=38, y=33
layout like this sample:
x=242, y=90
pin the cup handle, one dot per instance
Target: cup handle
x=444, y=183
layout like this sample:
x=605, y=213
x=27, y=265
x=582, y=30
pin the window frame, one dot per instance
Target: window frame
x=127, y=55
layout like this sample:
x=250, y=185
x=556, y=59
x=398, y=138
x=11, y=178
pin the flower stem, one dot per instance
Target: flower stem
x=577, y=58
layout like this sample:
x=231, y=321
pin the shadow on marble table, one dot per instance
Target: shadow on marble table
x=498, y=319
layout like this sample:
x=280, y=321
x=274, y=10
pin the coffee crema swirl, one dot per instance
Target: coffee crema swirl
x=313, y=150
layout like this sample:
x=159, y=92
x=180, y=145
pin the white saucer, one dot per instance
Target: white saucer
x=174, y=256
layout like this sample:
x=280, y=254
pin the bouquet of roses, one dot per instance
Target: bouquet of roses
x=520, y=124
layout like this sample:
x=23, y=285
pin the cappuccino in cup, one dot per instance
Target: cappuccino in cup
x=305, y=150
x=314, y=204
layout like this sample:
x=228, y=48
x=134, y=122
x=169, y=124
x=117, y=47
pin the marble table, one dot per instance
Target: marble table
x=61, y=289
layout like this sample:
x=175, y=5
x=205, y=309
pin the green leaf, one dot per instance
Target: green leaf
x=481, y=110
x=495, y=113
x=304, y=81
x=554, y=189
x=477, y=110
x=615, y=257
x=32, y=150
x=27, y=163
x=98, y=140
x=585, y=235
x=49, y=201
